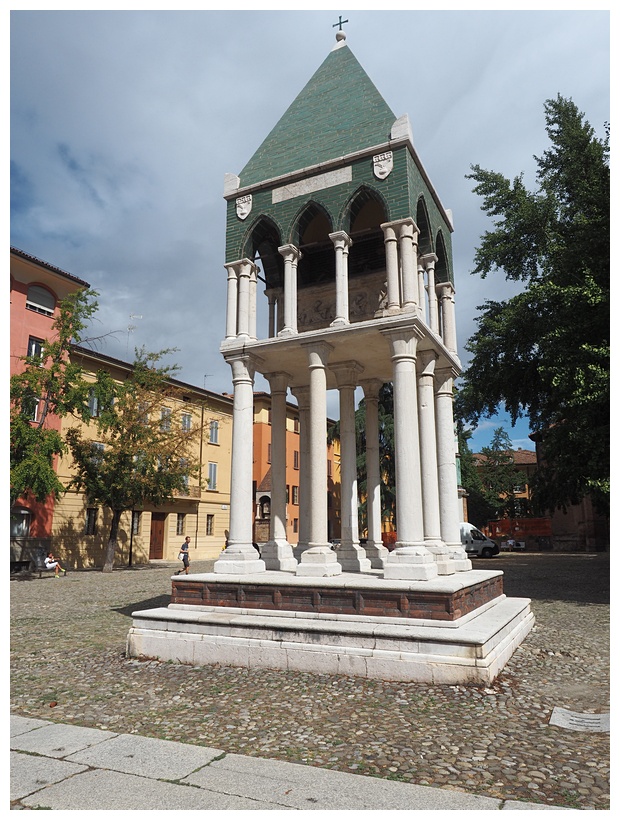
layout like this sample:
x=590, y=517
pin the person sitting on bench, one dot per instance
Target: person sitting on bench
x=52, y=563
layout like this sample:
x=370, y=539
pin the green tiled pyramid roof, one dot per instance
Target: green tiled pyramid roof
x=338, y=112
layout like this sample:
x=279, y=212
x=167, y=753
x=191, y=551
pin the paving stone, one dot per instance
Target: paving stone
x=427, y=733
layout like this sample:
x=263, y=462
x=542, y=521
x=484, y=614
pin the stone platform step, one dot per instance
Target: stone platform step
x=472, y=650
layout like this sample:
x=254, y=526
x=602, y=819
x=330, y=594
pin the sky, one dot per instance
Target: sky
x=124, y=123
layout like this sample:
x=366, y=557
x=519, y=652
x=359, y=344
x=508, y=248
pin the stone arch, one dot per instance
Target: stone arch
x=263, y=239
x=442, y=270
x=362, y=218
x=425, y=238
x=310, y=233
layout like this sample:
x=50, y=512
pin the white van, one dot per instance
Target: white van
x=476, y=543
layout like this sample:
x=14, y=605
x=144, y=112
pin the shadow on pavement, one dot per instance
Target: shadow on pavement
x=149, y=603
x=581, y=578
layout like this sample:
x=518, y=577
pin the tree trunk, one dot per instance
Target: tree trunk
x=108, y=564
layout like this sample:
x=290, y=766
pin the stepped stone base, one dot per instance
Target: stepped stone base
x=449, y=630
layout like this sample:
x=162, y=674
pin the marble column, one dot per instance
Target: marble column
x=392, y=268
x=252, y=301
x=277, y=553
x=410, y=559
x=302, y=394
x=449, y=502
x=408, y=244
x=448, y=324
x=428, y=463
x=422, y=307
x=374, y=549
x=240, y=557
x=245, y=267
x=429, y=262
x=291, y=255
x=351, y=556
x=319, y=559
x=342, y=243
x=272, y=297
x=231, y=300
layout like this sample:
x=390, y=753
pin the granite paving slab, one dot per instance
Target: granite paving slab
x=59, y=740
x=116, y=791
x=30, y=773
x=147, y=756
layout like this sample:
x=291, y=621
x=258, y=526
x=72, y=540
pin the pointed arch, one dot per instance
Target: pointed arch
x=310, y=233
x=425, y=239
x=263, y=239
x=442, y=270
x=362, y=217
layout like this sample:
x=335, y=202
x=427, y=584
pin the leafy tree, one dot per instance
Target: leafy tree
x=144, y=452
x=478, y=507
x=50, y=384
x=545, y=352
x=498, y=474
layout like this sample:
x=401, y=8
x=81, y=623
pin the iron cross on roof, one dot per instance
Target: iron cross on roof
x=340, y=23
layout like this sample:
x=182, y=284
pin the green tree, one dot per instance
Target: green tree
x=145, y=451
x=479, y=510
x=49, y=385
x=545, y=352
x=498, y=474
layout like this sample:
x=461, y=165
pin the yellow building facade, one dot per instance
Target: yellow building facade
x=80, y=529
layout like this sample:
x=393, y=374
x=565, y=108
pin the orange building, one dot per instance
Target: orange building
x=261, y=475
x=36, y=290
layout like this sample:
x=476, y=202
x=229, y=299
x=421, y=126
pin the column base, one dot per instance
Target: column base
x=239, y=560
x=339, y=322
x=410, y=562
x=278, y=555
x=287, y=331
x=352, y=558
x=376, y=553
x=461, y=562
x=318, y=562
x=299, y=549
x=442, y=555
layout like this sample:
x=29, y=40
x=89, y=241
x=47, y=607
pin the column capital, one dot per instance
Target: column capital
x=341, y=239
x=302, y=394
x=429, y=260
x=243, y=367
x=318, y=353
x=444, y=378
x=278, y=382
x=371, y=388
x=291, y=252
x=403, y=342
x=447, y=286
x=346, y=373
x=426, y=360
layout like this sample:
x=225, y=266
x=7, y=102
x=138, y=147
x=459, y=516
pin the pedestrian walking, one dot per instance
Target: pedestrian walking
x=184, y=556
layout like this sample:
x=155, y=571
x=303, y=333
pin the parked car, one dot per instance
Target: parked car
x=476, y=543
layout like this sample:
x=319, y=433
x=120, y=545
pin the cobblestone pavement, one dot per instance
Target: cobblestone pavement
x=68, y=665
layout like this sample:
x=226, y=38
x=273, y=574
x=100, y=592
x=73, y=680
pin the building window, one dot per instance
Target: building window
x=269, y=454
x=136, y=522
x=296, y=425
x=180, y=523
x=212, y=475
x=30, y=406
x=186, y=422
x=210, y=524
x=295, y=494
x=296, y=459
x=329, y=466
x=93, y=403
x=214, y=432
x=35, y=348
x=20, y=522
x=184, y=467
x=40, y=300
x=295, y=524
x=164, y=423
x=287, y=493
x=90, y=527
